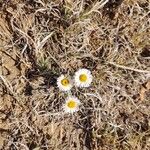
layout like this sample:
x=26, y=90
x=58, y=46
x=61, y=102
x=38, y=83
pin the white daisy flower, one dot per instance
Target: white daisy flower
x=72, y=104
x=64, y=83
x=83, y=78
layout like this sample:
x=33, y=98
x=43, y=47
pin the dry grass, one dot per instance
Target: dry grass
x=39, y=40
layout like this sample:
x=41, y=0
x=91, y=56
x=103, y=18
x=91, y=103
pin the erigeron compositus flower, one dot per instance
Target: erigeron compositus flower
x=72, y=104
x=83, y=78
x=64, y=83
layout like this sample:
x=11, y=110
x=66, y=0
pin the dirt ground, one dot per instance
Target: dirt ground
x=42, y=39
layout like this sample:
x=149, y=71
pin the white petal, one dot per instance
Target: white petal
x=71, y=110
x=78, y=83
x=62, y=87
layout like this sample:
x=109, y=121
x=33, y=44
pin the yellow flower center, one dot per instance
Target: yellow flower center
x=83, y=78
x=71, y=104
x=65, y=82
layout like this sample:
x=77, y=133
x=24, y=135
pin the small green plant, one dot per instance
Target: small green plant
x=43, y=64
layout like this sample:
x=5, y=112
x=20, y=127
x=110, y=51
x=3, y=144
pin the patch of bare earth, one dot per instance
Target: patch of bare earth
x=40, y=40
